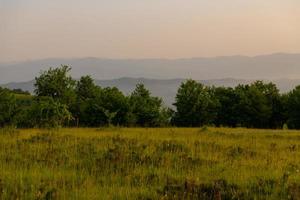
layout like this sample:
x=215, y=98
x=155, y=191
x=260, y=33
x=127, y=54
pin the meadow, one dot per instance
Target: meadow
x=149, y=163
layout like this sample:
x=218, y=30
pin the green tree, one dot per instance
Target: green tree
x=145, y=109
x=45, y=112
x=166, y=115
x=226, y=103
x=275, y=102
x=293, y=108
x=23, y=102
x=57, y=84
x=252, y=110
x=109, y=107
x=115, y=105
x=85, y=90
x=195, y=105
x=8, y=108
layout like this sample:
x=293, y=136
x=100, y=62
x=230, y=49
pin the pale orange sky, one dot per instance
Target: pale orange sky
x=34, y=29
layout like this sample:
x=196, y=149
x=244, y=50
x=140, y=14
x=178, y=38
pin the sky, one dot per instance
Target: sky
x=37, y=29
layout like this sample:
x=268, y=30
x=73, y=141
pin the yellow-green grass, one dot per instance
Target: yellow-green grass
x=149, y=163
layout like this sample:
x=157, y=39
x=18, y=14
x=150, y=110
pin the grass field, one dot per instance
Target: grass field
x=166, y=163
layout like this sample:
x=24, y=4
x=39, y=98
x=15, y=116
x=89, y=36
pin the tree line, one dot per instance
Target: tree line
x=59, y=100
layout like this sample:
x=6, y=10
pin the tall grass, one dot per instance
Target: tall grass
x=164, y=163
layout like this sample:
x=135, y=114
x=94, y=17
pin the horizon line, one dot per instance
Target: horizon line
x=149, y=58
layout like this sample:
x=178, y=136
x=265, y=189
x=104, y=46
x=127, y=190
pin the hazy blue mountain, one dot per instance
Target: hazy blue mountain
x=163, y=76
x=275, y=66
x=163, y=88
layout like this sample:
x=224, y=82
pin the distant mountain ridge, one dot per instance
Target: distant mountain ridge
x=163, y=76
x=274, y=66
x=166, y=89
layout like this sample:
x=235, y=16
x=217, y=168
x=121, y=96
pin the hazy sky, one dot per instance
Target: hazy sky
x=31, y=29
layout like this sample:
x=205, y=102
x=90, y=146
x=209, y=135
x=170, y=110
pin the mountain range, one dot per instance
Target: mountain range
x=163, y=76
x=274, y=66
x=163, y=88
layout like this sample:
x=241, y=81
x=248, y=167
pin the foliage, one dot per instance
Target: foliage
x=45, y=112
x=83, y=103
x=108, y=107
x=253, y=109
x=56, y=83
x=227, y=100
x=24, y=103
x=8, y=108
x=194, y=105
x=86, y=88
x=293, y=108
x=85, y=91
x=145, y=109
x=274, y=102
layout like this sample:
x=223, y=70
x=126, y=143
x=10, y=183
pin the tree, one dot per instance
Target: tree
x=226, y=102
x=85, y=91
x=293, y=108
x=20, y=91
x=86, y=88
x=24, y=104
x=8, y=109
x=45, y=112
x=274, y=102
x=108, y=107
x=166, y=115
x=195, y=105
x=252, y=110
x=57, y=84
x=115, y=106
x=145, y=109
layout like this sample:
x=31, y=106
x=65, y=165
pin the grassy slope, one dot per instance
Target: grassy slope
x=149, y=163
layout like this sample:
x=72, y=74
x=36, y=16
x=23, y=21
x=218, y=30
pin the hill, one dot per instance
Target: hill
x=274, y=66
x=163, y=88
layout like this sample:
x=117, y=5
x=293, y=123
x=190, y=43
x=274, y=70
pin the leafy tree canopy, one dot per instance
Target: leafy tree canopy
x=56, y=83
